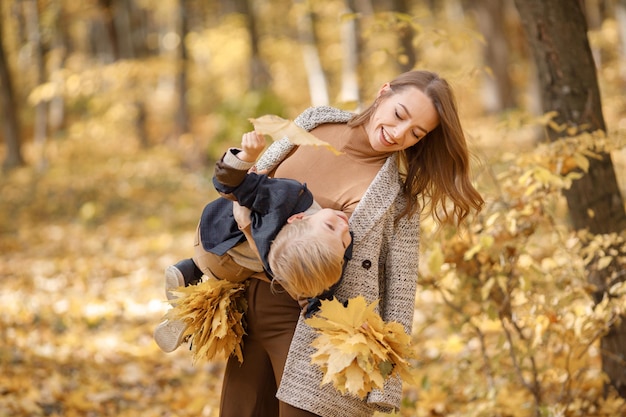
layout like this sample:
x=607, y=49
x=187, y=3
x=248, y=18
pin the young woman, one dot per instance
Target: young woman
x=404, y=156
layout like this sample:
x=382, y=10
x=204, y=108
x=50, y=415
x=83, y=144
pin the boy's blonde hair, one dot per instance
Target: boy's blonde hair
x=302, y=264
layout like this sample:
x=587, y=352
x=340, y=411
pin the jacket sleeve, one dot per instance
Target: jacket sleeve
x=230, y=171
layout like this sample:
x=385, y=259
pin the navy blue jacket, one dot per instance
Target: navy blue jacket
x=271, y=200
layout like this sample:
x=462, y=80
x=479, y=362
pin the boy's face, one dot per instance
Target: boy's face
x=331, y=227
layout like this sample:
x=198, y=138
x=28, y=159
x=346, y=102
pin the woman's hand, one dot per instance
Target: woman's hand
x=252, y=144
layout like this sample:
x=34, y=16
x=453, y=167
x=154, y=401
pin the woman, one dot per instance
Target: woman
x=404, y=155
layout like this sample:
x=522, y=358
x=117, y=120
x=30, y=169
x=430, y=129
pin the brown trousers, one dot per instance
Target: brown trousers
x=222, y=267
x=249, y=389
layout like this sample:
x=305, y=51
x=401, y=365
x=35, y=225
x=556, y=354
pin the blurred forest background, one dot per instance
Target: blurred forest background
x=112, y=112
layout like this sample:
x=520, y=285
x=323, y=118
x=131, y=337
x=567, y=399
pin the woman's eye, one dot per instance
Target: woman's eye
x=330, y=226
x=397, y=115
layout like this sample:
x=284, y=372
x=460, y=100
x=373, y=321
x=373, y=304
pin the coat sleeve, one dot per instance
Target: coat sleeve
x=308, y=120
x=401, y=270
x=399, y=284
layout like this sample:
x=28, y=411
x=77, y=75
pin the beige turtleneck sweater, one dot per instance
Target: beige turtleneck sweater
x=335, y=183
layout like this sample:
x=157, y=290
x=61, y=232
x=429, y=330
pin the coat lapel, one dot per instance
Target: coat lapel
x=377, y=199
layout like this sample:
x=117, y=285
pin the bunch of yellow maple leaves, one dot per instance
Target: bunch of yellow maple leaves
x=356, y=350
x=213, y=311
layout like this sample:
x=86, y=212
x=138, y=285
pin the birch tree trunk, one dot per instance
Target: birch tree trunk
x=349, y=92
x=182, y=115
x=312, y=63
x=31, y=12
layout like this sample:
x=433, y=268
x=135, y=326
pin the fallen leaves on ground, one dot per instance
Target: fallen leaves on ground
x=83, y=247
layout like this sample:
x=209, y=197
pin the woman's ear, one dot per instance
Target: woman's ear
x=294, y=217
x=384, y=89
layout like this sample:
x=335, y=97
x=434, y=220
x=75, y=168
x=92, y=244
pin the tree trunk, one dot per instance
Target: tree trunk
x=259, y=74
x=122, y=24
x=59, y=52
x=349, y=93
x=8, y=112
x=620, y=17
x=108, y=25
x=498, y=90
x=557, y=33
x=182, y=116
x=593, y=16
x=406, y=34
x=312, y=63
x=31, y=12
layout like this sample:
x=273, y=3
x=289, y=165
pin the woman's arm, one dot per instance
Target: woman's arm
x=274, y=155
x=307, y=120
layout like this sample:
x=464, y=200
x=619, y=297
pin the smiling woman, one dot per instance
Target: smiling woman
x=412, y=127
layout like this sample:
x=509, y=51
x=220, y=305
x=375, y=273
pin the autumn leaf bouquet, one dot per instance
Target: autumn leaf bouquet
x=213, y=312
x=356, y=350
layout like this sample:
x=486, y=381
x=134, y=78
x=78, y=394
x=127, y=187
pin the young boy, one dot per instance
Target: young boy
x=269, y=228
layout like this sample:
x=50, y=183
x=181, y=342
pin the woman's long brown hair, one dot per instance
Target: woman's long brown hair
x=437, y=168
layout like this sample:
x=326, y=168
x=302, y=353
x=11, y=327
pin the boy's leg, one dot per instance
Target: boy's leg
x=221, y=267
x=169, y=334
x=182, y=274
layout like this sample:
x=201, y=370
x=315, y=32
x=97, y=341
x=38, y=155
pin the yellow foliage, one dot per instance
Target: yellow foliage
x=356, y=349
x=213, y=311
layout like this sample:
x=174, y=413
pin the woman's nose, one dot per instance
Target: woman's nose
x=401, y=130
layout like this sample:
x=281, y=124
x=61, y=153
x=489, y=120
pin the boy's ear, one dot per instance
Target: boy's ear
x=297, y=216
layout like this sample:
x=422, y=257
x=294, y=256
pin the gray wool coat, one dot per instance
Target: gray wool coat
x=383, y=267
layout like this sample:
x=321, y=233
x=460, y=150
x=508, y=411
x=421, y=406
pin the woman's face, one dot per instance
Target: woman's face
x=401, y=119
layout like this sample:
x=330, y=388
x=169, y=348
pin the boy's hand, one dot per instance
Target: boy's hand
x=252, y=144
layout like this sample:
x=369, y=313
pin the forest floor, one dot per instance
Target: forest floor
x=83, y=246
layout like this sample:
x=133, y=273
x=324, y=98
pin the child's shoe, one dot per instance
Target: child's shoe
x=173, y=279
x=170, y=334
x=182, y=274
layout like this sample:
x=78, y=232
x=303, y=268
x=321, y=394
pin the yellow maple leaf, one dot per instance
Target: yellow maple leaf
x=355, y=349
x=278, y=128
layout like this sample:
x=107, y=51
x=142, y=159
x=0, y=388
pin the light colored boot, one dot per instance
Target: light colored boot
x=169, y=334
